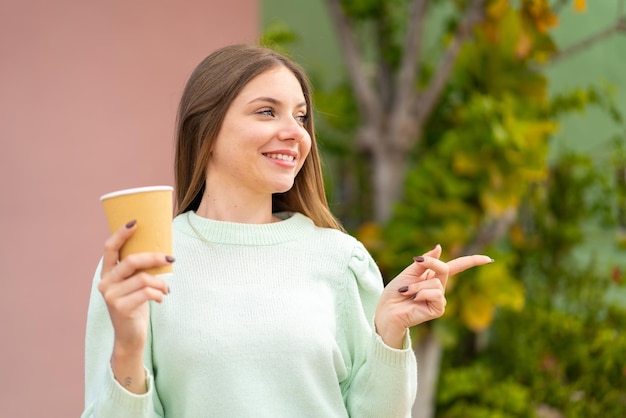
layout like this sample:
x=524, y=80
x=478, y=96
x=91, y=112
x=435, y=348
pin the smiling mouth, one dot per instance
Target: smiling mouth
x=281, y=157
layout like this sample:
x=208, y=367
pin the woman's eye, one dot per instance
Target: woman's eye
x=266, y=112
x=302, y=118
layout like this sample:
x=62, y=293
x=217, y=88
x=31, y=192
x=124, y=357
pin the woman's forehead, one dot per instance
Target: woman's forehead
x=275, y=81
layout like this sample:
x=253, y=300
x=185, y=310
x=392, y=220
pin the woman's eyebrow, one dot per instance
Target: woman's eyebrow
x=273, y=101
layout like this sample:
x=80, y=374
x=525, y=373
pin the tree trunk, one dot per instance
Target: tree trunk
x=388, y=173
x=429, y=352
x=389, y=166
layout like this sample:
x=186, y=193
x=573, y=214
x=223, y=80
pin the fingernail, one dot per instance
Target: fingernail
x=169, y=259
x=169, y=290
x=403, y=289
x=131, y=223
x=418, y=259
x=492, y=260
x=435, y=247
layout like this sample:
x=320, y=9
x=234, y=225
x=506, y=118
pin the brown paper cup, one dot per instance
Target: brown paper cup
x=152, y=208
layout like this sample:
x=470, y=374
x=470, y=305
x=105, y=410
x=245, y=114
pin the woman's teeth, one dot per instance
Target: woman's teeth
x=280, y=157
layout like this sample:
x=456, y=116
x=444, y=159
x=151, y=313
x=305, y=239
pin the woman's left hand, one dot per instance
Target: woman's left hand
x=418, y=294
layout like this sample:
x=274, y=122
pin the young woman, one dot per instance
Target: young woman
x=273, y=310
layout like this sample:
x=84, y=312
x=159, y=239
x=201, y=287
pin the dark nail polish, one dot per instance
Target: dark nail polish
x=403, y=289
x=418, y=259
x=131, y=224
x=169, y=290
x=169, y=259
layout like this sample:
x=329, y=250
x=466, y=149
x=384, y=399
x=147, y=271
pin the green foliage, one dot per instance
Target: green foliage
x=565, y=350
x=474, y=391
x=278, y=36
x=553, y=217
x=362, y=9
x=484, y=158
x=494, y=63
x=541, y=358
x=485, y=146
x=572, y=363
x=619, y=164
x=479, y=170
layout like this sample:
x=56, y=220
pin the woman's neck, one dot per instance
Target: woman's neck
x=236, y=207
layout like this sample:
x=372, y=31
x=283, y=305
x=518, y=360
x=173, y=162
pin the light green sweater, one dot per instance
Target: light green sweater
x=271, y=320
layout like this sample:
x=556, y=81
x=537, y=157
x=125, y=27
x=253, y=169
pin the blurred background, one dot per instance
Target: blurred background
x=487, y=126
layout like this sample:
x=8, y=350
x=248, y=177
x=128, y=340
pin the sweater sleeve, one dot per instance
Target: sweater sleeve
x=104, y=396
x=382, y=381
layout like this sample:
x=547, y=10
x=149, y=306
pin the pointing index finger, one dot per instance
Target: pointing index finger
x=461, y=264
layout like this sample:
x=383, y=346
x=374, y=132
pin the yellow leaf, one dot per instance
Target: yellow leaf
x=370, y=234
x=531, y=175
x=497, y=285
x=580, y=5
x=477, y=312
x=497, y=202
x=490, y=29
x=546, y=21
x=465, y=164
x=511, y=295
x=524, y=45
x=517, y=236
x=551, y=19
x=497, y=8
x=541, y=57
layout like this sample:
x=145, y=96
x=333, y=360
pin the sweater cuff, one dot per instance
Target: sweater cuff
x=392, y=356
x=128, y=401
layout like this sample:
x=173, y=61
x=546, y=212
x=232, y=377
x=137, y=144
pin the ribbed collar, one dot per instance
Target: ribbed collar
x=292, y=227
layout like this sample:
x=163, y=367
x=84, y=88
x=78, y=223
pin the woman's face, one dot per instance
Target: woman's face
x=262, y=143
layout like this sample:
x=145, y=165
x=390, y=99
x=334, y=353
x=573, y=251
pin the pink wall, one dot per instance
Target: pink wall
x=88, y=94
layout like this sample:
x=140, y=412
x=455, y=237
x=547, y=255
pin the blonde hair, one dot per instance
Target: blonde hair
x=210, y=90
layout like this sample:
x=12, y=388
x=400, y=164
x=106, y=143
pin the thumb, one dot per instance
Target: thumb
x=435, y=252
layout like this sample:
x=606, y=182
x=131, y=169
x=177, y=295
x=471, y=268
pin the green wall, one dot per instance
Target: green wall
x=605, y=62
x=317, y=49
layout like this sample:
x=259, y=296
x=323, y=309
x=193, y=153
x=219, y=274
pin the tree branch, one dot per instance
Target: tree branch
x=491, y=232
x=410, y=53
x=402, y=127
x=369, y=107
x=428, y=99
x=558, y=5
x=618, y=27
x=385, y=72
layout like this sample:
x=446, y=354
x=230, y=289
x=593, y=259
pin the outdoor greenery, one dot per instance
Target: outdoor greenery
x=563, y=353
x=535, y=333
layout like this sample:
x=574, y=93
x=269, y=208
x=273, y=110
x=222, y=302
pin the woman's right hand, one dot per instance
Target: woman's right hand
x=126, y=290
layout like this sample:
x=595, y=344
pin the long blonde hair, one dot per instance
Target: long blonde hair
x=210, y=90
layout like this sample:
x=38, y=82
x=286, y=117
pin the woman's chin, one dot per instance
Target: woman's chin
x=283, y=188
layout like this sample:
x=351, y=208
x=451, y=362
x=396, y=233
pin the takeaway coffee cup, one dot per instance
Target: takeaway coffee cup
x=152, y=208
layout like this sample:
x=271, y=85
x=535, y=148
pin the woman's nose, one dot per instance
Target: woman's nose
x=291, y=129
